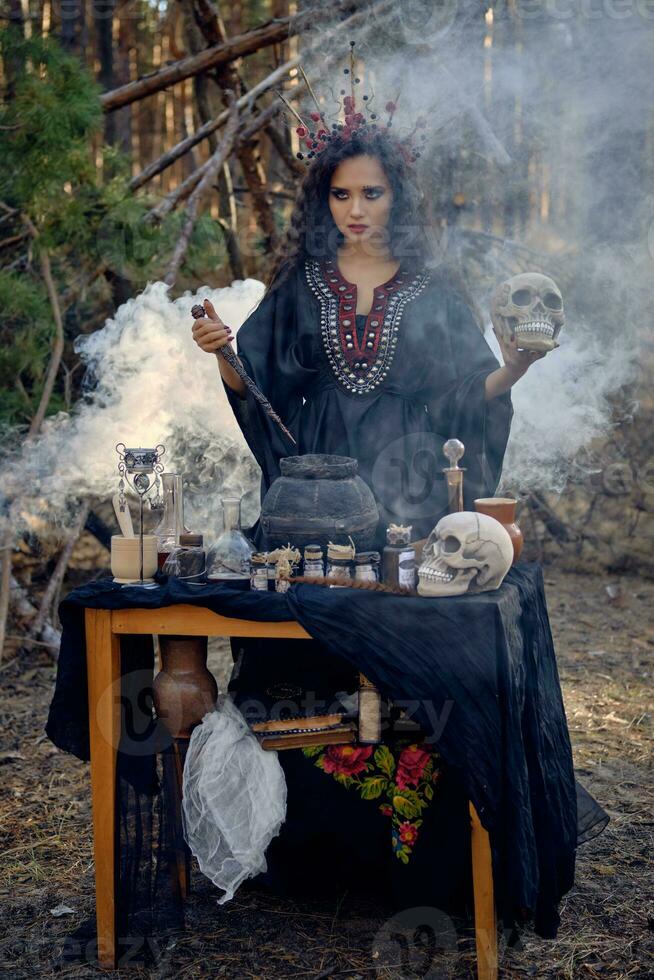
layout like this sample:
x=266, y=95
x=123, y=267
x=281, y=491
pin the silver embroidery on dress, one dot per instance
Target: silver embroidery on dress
x=370, y=375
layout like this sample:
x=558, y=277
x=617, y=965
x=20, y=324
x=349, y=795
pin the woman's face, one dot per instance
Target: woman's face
x=360, y=200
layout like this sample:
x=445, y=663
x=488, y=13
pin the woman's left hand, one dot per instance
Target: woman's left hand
x=517, y=361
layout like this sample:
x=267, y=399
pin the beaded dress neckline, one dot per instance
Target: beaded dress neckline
x=353, y=288
x=360, y=360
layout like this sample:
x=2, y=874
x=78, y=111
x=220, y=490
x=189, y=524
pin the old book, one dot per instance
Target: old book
x=341, y=735
x=295, y=722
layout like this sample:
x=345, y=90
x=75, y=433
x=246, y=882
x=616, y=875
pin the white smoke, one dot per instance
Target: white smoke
x=537, y=111
x=578, y=87
x=147, y=383
x=560, y=407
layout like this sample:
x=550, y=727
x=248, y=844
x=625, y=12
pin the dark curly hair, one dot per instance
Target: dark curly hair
x=312, y=232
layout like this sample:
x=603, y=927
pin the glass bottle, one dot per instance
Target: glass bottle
x=171, y=525
x=229, y=559
x=187, y=562
x=313, y=561
x=366, y=566
x=399, y=561
x=339, y=564
x=259, y=573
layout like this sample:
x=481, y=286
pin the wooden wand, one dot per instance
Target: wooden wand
x=198, y=312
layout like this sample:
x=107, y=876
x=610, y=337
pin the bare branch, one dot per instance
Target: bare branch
x=58, y=347
x=179, y=194
x=5, y=581
x=43, y=615
x=6, y=242
x=285, y=155
x=24, y=609
x=210, y=174
x=245, y=102
x=261, y=37
x=361, y=20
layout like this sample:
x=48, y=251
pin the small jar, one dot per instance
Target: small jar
x=339, y=565
x=188, y=562
x=399, y=565
x=313, y=561
x=259, y=573
x=366, y=566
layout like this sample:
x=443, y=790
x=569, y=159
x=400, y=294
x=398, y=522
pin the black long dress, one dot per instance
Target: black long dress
x=389, y=393
x=388, y=389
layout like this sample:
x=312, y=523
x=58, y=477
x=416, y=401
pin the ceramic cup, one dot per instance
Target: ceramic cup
x=126, y=558
x=503, y=510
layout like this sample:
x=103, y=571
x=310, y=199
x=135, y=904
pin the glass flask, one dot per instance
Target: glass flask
x=229, y=559
x=187, y=562
x=171, y=525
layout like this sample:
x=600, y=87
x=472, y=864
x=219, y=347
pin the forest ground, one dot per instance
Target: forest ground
x=605, y=647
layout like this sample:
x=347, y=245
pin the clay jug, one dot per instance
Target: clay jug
x=184, y=690
x=503, y=510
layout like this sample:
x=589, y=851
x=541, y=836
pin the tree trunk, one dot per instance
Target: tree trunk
x=222, y=54
x=58, y=345
x=207, y=108
x=229, y=224
x=73, y=27
x=185, y=189
x=227, y=78
x=43, y=616
x=122, y=119
x=168, y=158
x=6, y=554
x=117, y=126
x=13, y=64
x=212, y=168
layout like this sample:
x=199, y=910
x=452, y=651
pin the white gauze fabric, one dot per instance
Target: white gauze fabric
x=234, y=799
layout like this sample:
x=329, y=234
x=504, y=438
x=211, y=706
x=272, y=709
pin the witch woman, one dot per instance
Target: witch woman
x=366, y=351
x=362, y=349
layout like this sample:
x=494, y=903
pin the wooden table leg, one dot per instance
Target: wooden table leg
x=182, y=851
x=482, y=883
x=103, y=666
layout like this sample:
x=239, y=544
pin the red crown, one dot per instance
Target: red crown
x=317, y=134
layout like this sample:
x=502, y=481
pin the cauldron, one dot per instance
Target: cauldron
x=319, y=498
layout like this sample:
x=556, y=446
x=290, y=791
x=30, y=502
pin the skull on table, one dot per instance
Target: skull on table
x=529, y=307
x=466, y=552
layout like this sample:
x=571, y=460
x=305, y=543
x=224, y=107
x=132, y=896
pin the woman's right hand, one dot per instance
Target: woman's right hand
x=209, y=332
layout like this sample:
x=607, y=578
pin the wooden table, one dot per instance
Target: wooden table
x=104, y=628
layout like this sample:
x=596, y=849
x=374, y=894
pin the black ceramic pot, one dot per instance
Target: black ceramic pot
x=319, y=498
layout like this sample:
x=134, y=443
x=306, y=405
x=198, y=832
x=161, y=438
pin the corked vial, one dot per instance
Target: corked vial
x=314, y=566
x=399, y=562
x=366, y=566
x=340, y=559
x=259, y=572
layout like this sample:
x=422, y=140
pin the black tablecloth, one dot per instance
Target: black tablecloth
x=479, y=674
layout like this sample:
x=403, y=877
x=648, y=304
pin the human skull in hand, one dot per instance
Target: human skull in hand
x=528, y=307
